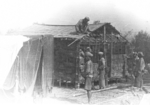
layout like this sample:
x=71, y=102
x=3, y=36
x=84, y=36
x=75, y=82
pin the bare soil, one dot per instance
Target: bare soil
x=123, y=95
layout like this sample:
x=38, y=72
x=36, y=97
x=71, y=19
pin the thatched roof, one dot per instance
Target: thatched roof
x=67, y=31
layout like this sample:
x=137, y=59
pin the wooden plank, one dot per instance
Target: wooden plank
x=94, y=91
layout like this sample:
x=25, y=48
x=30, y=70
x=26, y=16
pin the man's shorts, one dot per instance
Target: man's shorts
x=88, y=83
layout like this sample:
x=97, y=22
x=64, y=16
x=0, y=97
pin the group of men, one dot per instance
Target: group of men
x=86, y=69
x=86, y=65
x=137, y=69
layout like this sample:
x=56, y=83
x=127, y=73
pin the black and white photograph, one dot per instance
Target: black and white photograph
x=75, y=52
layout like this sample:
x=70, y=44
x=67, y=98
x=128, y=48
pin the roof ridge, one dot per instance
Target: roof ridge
x=43, y=24
x=51, y=24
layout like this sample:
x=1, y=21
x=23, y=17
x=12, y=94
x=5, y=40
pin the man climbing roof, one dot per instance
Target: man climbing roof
x=82, y=26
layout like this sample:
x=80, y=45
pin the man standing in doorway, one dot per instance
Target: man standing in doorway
x=88, y=72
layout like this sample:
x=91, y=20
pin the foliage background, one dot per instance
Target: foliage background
x=141, y=43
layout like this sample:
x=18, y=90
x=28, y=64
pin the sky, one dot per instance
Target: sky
x=125, y=15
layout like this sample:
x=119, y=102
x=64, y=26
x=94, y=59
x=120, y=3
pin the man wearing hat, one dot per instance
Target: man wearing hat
x=140, y=66
x=101, y=68
x=88, y=52
x=88, y=72
x=82, y=26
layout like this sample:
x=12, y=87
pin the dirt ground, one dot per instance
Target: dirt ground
x=123, y=95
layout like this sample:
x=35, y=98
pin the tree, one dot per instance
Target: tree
x=141, y=43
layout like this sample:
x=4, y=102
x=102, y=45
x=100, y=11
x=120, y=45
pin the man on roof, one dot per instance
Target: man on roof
x=82, y=26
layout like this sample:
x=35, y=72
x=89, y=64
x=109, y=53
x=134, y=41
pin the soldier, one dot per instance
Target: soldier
x=88, y=53
x=140, y=65
x=101, y=68
x=82, y=26
x=89, y=73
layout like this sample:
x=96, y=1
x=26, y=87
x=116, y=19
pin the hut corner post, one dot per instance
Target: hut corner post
x=77, y=84
x=105, y=52
x=124, y=62
x=105, y=43
x=111, y=55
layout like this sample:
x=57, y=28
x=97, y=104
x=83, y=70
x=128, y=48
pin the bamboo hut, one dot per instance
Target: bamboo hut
x=103, y=37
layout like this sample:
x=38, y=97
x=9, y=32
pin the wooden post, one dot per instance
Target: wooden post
x=125, y=60
x=104, y=41
x=111, y=55
x=95, y=58
x=105, y=52
x=77, y=85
